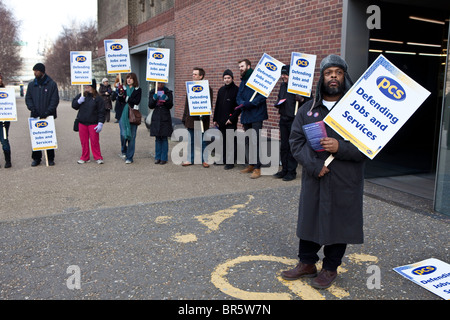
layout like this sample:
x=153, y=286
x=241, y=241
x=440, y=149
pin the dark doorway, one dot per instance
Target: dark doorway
x=418, y=48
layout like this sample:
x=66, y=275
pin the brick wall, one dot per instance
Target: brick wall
x=216, y=34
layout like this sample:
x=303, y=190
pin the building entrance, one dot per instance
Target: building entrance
x=414, y=38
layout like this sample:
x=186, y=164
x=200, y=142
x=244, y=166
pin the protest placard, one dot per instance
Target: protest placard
x=376, y=107
x=431, y=274
x=199, y=99
x=158, y=62
x=117, y=55
x=265, y=76
x=8, y=108
x=301, y=75
x=43, y=134
x=81, y=67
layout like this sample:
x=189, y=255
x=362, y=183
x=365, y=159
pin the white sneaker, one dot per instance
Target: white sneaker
x=82, y=161
x=123, y=156
x=100, y=161
x=128, y=161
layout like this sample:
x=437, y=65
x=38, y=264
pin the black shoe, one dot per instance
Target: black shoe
x=51, y=163
x=229, y=166
x=35, y=163
x=7, y=165
x=289, y=177
x=162, y=162
x=157, y=161
x=279, y=174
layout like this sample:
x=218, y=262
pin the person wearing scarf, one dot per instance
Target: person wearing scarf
x=131, y=98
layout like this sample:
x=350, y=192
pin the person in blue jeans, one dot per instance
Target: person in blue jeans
x=160, y=100
x=131, y=95
x=193, y=122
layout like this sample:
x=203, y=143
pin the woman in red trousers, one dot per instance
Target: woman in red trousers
x=91, y=117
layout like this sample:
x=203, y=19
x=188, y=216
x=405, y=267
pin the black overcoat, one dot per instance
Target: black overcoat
x=331, y=207
x=161, y=125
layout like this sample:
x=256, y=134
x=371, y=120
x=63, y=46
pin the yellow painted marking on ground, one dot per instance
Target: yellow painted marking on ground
x=218, y=278
x=213, y=220
x=163, y=219
x=302, y=289
x=360, y=258
x=185, y=238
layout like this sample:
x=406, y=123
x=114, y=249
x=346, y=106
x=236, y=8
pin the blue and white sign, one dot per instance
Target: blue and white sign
x=301, y=75
x=158, y=62
x=8, y=108
x=376, y=107
x=431, y=274
x=81, y=67
x=43, y=134
x=117, y=55
x=266, y=75
x=199, y=98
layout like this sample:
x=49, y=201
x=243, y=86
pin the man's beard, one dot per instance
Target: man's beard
x=333, y=91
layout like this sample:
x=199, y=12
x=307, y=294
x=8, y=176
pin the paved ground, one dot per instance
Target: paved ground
x=145, y=231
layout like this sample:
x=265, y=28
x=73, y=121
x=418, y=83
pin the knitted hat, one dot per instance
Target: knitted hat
x=285, y=69
x=333, y=61
x=228, y=72
x=39, y=67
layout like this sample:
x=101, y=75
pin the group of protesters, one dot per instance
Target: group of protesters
x=331, y=198
x=94, y=106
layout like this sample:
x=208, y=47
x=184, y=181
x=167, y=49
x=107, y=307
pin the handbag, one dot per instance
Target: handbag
x=75, y=125
x=135, y=116
x=148, y=119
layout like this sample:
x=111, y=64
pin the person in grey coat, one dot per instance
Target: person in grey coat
x=331, y=199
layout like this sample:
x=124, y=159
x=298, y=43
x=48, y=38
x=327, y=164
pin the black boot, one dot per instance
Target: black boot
x=7, y=159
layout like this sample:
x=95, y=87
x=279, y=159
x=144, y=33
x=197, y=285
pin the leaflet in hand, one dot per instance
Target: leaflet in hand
x=314, y=133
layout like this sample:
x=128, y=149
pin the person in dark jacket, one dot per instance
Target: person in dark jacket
x=225, y=115
x=42, y=99
x=331, y=199
x=286, y=104
x=4, y=128
x=119, y=105
x=131, y=97
x=106, y=92
x=91, y=117
x=253, y=114
x=198, y=74
x=161, y=128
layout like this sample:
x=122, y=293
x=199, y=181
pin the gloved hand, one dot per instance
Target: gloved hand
x=155, y=97
x=81, y=100
x=99, y=127
x=164, y=97
x=121, y=90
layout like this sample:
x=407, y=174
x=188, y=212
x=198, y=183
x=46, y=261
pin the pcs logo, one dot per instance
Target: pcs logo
x=391, y=89
x=3, y=95
x=271, y=67
x=422, y=271
x=116, y=47
x=158, y=56
x=81, y=59
x=303, y=63
x=197, y=88
x=41, y=124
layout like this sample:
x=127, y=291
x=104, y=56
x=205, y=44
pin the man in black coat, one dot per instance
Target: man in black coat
x=331, y=200
x=225, y=115
x=286, y=105
x=42, y=99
